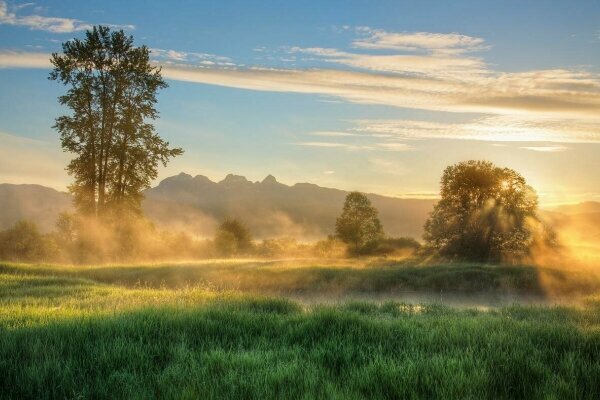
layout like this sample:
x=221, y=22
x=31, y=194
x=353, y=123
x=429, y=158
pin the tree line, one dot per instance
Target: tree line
x=485, y=213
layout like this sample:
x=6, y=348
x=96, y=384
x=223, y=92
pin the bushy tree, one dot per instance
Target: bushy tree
x=233, y=238
x=24, y=242
x=486, y=213
x=332, y=247
x=358, y=226
x=111, y=95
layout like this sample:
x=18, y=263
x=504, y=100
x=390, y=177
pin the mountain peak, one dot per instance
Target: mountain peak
x=269, y=179
x=234, y=179
x=175, y=179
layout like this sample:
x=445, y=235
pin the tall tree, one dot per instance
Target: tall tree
x=111, y=94
x=358, y=226
x=486, y=213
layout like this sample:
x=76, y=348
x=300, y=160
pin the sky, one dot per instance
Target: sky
x=358, y=95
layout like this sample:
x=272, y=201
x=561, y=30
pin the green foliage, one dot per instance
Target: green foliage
x=24, y=242
x=341, y=277
x=332, y=247
x=282, y=247
x=233, y=238
x=111, y=94
x=358, y=226
x=485, y=213
x=398, y=246
x=67, y=337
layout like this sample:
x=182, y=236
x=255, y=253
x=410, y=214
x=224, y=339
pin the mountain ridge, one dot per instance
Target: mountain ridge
x=196, y=204
x=269, y=207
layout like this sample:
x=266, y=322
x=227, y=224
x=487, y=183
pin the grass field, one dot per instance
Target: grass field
x=282, y=329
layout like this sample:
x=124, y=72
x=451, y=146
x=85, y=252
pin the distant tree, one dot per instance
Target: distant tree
x=24, y=242
x=66, y=228
x=111, y=94
x=332, y=247
x=486, y=213
x=358, y=226
x=233, y=237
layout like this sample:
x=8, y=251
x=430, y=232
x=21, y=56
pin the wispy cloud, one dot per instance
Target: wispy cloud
x=416, y=64
x=546, y=149
x=15, y=17
x=333, y=134
x=381, y=146
x=334, y=145
x=175, y=57
x=555, y=92
x=501, y=128
x=19, y=59
x=447, y=43
x=427, y=71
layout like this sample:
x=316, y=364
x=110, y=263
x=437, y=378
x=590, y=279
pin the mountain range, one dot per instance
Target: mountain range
x=196, y=204
x=269, y=208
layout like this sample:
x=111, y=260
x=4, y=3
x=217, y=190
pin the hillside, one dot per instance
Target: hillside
x=33, y=202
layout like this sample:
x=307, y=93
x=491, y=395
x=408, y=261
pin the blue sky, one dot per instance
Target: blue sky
x=371, y=96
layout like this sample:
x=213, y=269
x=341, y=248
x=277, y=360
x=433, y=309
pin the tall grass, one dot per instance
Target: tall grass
x=67, y=335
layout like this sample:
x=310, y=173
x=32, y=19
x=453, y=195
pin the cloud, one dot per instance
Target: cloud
x=333, y=133
x=19, y=59
x=546, y=149
x=444, y=65
x=175, y=57
x=381, y=146
x=501, y=128
x=504, y=94
x=448, y=43
x=393, y=146
x=426, y=71
x=39, y=22
x=334, y=145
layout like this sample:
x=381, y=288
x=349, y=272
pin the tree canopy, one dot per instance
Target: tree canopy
x=233, y=237
x=111, y=94
x=358, y=226
x=486, y=213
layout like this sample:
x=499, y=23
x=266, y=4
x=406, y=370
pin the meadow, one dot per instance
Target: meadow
x=298, y=329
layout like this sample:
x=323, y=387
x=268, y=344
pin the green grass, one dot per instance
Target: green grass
x=141, y=332
x=337, y=276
